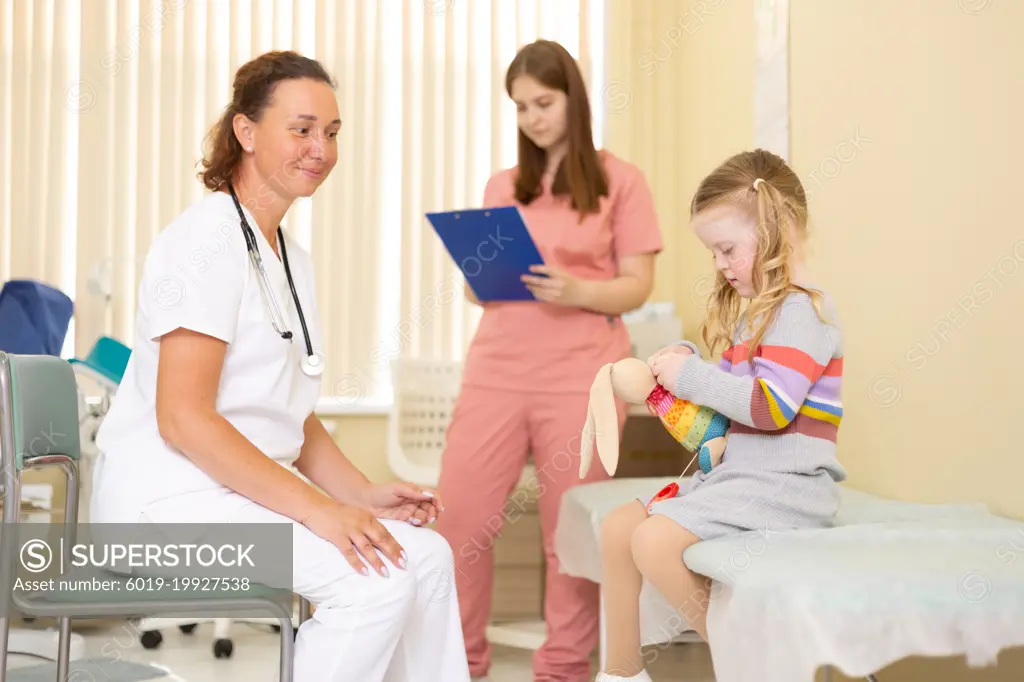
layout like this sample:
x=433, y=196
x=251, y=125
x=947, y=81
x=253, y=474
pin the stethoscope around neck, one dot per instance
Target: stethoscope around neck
x=313, y=363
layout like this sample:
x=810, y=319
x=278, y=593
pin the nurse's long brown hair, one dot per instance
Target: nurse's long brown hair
x=580, y=175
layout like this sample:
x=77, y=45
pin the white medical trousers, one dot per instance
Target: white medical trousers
x=402, y=628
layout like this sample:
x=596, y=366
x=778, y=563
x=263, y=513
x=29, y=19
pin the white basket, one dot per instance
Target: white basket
x=425, y=392
x=424, y=397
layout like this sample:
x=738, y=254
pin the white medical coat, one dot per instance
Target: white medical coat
x=198, y=276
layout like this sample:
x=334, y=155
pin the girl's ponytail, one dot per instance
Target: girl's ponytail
x=771, y=273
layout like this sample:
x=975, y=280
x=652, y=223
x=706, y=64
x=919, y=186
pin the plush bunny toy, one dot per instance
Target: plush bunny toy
x=699, y=429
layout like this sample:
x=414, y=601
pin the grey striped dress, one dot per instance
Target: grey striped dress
x=779, y=470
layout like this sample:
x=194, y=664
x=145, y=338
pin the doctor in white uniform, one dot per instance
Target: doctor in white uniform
x=223, y=380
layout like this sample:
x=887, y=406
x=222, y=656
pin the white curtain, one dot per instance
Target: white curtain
x=104, y=105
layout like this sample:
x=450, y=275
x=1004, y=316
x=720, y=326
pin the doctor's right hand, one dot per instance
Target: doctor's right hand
x=356, y=532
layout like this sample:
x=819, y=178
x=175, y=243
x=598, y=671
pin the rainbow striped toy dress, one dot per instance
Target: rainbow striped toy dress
x=692, y=425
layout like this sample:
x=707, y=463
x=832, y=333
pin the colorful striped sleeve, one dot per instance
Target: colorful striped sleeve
x=766, y=393
x=725, y=362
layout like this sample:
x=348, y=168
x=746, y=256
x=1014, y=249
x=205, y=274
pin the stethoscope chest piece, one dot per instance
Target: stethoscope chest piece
x=313, y=365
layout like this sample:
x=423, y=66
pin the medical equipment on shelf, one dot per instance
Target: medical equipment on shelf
x=313, y=363
x=889, y=581
x=34, y=320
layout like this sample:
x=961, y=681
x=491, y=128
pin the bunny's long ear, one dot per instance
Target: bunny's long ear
x=590, y=427
x=587, y=443
x=602, y=424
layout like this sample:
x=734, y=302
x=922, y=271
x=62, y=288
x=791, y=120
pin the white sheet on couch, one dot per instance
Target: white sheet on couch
x=892, y=579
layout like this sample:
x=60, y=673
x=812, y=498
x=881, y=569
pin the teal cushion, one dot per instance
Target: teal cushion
x=44, y=406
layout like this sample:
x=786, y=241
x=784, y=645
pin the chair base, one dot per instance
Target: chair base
x=42, y=644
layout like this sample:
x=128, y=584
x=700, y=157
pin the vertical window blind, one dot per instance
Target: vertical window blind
x=104, y=105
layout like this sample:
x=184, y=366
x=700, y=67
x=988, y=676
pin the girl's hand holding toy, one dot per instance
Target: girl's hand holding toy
x=698, y=429
x=666, y=363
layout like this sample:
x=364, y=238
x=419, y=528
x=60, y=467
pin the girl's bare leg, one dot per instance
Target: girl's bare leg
x=657, y=550
x=621, y=582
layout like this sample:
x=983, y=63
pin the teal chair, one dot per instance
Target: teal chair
x=106, y=361
x=38, y=395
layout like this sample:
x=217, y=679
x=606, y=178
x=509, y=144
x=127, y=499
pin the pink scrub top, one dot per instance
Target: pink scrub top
x=549, y=348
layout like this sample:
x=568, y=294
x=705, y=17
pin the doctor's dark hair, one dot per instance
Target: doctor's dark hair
x=581, y=174
x=253, y=87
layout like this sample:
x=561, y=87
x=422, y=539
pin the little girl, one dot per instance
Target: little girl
x=778, y=382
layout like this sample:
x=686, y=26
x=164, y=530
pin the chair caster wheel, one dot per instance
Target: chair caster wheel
x=222, y=648
x=151, y=639
x=188, y=629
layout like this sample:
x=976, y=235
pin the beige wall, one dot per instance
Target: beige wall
x=917, y=234
x=902, y=134
x=901, y=131
x=364, y=439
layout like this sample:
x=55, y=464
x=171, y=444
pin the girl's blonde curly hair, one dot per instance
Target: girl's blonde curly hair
x=761, y=183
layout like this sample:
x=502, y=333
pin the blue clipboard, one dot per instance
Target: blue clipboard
x=492, y=248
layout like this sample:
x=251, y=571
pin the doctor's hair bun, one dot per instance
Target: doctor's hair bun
x=251, y=91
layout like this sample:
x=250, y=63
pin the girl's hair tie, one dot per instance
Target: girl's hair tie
x=758, y=183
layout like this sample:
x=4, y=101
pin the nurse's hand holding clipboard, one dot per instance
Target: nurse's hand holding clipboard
x=552, y=285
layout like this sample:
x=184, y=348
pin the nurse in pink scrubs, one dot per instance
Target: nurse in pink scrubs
x=530, y=366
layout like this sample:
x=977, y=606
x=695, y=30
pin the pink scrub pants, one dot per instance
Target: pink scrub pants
x=490, y=436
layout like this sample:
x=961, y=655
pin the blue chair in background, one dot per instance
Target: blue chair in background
x=34, y=318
